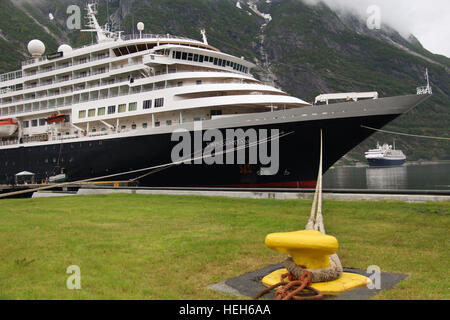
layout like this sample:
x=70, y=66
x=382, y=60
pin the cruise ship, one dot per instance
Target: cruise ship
x=110, y=109
x=385, y=156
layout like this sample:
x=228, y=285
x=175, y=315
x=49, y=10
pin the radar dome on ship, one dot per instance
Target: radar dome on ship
x=65, y=48
x=36, y=48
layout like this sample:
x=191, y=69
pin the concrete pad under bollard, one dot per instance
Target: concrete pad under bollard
x=250, y=284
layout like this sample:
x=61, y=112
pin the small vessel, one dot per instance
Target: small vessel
x=8, y=127
x=55, y=118
x=62, y=177
x=385, y=156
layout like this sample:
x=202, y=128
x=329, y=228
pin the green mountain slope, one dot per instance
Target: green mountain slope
x=305, y=50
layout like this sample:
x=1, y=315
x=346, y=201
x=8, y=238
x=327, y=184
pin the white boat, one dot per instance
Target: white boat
x=385, y=156
x=8, y=127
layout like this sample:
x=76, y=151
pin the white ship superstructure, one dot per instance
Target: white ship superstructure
x=126, y=83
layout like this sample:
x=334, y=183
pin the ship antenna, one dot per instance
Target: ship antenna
x=205, y=39
x=103, y=34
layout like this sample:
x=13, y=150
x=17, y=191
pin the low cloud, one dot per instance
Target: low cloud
x=427, y=20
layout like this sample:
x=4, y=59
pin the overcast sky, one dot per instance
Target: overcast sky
x=428, y=20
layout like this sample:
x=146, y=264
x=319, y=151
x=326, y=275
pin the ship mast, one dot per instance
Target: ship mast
x=103, y=34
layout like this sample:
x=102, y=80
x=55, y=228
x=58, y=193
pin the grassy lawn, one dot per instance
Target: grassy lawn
x=173, y=247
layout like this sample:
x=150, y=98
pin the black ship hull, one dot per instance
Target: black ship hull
x=299, y=150
x=378, y=163
x=298, y=158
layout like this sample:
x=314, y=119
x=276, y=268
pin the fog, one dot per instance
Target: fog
x=428, y=20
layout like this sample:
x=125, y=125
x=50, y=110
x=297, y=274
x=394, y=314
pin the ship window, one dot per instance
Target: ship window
x=228, y=63
x=157, y=124
x=178, y=55
x=133, y=127
x=132, y=49
x=224, y=63
x=101, y=111
x=169, y=122
x=42, y=122
x=197, y=119
x=159, y=102
x=91, y=113
x=190, y=56
x=132, y=106
x=198, y=82
x=196, y=57
x=122, y=108
x=216, y=112
x=123, y=50
x=34, y=123
x=111, y=109
x=26, y=124
x=123, y=127
x=145, y=125
x=220, y=62
x=117, y=52
x=215, y=61
x=180, y=83
x=200, y=58
x=147, y=104
x=82, y=114
x=184, y=56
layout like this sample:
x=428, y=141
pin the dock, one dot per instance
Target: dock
x=259, y=193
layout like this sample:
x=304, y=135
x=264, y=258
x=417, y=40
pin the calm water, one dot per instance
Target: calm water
x=409, y=177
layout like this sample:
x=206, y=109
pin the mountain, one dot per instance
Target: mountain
x=303, y=49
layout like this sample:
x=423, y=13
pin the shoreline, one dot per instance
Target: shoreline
x=408, y=163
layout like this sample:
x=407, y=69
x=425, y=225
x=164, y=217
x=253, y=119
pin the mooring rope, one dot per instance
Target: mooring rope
x=193, y=156
x=405, y=134
x=300, y=278
x=153, y=169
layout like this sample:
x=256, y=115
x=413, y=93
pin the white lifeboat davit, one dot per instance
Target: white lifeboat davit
x=8, y=127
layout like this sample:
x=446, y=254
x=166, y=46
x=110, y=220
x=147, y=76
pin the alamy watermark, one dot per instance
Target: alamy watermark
x=74, y=281
x=375, y=278
x=73, y=22
x=236, y=146
x=374, y=20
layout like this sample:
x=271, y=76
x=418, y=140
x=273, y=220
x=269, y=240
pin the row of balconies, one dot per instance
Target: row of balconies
x=69, y=95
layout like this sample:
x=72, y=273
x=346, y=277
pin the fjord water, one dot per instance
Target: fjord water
x=433, y=176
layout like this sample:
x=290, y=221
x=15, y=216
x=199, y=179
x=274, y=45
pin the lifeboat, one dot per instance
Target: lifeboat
x=8, y=127
x=55, y=118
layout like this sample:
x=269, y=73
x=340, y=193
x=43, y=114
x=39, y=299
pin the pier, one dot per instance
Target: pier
x=257, y=193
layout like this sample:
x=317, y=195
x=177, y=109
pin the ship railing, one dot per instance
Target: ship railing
x=153, y=36
x=11, y=76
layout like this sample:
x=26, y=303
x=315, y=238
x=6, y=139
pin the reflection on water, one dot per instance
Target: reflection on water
x=387, y=178
x=415, y=177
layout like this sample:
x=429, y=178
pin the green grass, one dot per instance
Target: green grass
x=165, y=247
